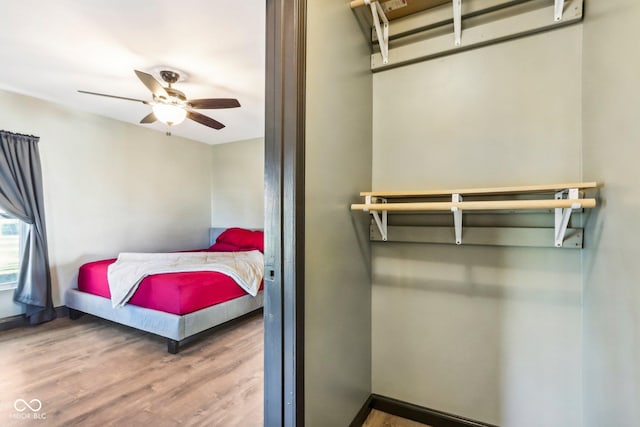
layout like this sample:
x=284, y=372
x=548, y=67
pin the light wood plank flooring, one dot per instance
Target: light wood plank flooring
x=382, y=419
x=90, y=372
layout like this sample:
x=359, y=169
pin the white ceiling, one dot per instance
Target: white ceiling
x=50, y=49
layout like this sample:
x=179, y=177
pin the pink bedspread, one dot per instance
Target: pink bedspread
x=177, y=293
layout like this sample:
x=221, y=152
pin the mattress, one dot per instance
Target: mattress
x=177, y=293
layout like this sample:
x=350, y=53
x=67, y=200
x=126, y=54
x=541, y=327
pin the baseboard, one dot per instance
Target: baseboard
x=363, y=413
x=413, y=412
x=19, y=321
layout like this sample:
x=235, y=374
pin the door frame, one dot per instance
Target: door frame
x=284, y=213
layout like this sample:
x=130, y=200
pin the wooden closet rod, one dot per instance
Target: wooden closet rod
x=476, y=205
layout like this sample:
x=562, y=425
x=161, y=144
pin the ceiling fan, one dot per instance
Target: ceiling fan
x=170, y=105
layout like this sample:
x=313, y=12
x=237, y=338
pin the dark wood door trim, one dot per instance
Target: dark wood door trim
x=284, y=213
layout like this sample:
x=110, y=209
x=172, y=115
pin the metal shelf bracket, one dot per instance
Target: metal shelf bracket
x=562, y=216
x=558, y=9
x=457, y=217
x=457, y=22
x=380, y=222
x=381, y=24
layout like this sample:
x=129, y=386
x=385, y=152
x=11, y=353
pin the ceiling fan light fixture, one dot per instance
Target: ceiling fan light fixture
x=170, y=114
x=170, y=106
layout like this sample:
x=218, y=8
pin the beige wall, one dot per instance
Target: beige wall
x=611, y=102
x=492, y=334
x=110, y=187
x=237, y=197
x=337, y=259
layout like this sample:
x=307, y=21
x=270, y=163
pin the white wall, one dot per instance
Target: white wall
x=337, y=258
x=611, y=94
x=493, y=334
x=237, y=198
x=110, y=187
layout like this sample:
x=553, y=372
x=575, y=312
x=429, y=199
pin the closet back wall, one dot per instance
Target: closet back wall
x=489, y=333
x=109, y=187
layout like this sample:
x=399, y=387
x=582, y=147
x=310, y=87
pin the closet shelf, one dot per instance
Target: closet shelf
x=523, y=189
x=403, y=32
x=566, y=199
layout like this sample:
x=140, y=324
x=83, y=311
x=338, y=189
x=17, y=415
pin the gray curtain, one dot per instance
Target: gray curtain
x=21, y=197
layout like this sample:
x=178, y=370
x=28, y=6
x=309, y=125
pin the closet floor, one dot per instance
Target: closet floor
x=382, y=419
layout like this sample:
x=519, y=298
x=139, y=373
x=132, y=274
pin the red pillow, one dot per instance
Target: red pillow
x=235, y=236
x=242, y=238
x=256, y=241
x=223, y=247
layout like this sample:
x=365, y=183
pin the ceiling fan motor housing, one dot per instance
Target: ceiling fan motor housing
x=175, y=94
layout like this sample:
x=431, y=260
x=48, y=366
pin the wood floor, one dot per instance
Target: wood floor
x=90, y=372
x=381, y=419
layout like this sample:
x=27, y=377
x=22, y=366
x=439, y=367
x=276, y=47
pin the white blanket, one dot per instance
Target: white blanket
x=246, y=268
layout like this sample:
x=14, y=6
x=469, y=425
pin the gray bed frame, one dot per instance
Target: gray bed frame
x=176, y=328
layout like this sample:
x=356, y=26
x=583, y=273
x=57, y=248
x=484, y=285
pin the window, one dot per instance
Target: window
x=10, y=234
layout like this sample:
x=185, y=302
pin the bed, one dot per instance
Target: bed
x=173, y=305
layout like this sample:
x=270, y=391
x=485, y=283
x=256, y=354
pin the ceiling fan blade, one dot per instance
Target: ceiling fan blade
x=204, y=120
x=214, y=103
x=151, y=83
x=113, y=96
x=149, y=118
